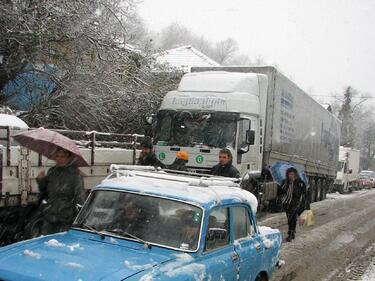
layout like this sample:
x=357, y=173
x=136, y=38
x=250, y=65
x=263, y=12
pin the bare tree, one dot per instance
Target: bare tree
x=225, y=50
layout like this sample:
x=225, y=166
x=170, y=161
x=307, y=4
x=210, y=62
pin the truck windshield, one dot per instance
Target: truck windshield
x=196, y=128
x=152, y=219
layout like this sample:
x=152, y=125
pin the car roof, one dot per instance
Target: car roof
x=206, y=192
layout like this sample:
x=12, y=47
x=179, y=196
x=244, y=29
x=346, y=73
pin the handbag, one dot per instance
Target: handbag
x=307, y=218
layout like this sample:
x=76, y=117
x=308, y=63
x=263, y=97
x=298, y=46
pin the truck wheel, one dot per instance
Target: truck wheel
x=319, y=190
x=340, y=189
x=323, y=190
x=312, y=191
x=34, y=229
x=261, y=277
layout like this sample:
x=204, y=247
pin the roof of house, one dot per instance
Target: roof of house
x=185, y=57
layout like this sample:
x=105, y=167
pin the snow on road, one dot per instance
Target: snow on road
x=344, y=226
x=369, y=274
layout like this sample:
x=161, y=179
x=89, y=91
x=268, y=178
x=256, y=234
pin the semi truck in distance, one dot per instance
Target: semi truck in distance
x=260, y=115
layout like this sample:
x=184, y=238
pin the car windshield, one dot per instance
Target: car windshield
x=196, y=128
x=152, y=219
x=365, y=175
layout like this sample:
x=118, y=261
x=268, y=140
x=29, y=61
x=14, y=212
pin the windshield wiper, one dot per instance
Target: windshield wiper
x=124, y=233
x=80, y=225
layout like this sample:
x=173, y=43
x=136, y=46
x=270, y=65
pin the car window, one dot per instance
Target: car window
x=242, y=223
x=156, y=220
x=218, y=222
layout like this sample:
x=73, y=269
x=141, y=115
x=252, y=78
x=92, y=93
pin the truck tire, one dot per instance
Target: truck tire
x=262, y=277
x=312, y=190
x=323, y=190
x=318, y=190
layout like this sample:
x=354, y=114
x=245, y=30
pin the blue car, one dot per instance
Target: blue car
x=149, y=225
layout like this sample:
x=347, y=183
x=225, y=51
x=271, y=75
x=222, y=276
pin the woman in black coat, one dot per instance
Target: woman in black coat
x=294, y=200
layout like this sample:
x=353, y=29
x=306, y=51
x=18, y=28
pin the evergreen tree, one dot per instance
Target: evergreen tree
x=346, y=117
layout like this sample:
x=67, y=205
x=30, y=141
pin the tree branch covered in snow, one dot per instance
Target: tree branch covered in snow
x=103, y=77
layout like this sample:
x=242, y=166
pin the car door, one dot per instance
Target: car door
x=247, y=243
x=219, y=255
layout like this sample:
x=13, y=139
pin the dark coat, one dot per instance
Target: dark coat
x=228, y=171
x=150, y=159
x=178, y=165
x=294, y=197
x=62, y=188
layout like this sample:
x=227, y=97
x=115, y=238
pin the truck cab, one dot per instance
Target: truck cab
x=348, y=169
x=210, y=111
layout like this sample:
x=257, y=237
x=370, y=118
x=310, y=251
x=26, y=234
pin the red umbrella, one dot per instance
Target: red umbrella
x=47, y=142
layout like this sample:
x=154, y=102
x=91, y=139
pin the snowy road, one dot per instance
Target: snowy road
x=338, y=247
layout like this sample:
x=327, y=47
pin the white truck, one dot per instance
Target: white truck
x=347, y=178
x=259, y=114
x=19, y=167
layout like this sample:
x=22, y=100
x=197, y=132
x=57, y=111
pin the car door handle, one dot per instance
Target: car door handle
x=235, y=257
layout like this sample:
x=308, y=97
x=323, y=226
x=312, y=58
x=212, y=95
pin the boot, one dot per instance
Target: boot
x=289, y=238
x=292, y=235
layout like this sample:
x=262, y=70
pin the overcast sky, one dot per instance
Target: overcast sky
x=323, y=45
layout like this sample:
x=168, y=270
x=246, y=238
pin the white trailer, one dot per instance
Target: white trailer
x=19, y=167
x=348, y=169
x=258, y=113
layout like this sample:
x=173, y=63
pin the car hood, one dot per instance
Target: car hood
x=77, y=255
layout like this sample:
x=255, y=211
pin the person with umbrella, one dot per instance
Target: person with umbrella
x=61, y=189
x=294, y=199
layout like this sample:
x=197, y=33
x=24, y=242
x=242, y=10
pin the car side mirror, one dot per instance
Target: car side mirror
x=250, y=137
x=216, y=233
x=350, y=171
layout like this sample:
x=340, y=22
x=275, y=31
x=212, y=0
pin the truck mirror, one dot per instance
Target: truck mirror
x=250, y=137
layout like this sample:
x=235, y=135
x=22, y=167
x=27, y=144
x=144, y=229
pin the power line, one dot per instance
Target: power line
x=341, y=97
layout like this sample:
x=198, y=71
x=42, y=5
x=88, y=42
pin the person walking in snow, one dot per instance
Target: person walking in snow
x=294, y=200
x=225, y=167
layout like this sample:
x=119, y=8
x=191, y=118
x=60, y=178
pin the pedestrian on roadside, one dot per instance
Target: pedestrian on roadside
x=148, y=156
x=179, y=164
x=294, y=199
x=225, y=167
x=61, y=189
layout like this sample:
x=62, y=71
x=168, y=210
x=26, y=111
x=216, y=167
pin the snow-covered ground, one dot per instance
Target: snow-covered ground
x=344, y=226
x=369, y=274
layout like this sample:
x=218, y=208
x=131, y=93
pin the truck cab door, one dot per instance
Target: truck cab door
x=247, y=152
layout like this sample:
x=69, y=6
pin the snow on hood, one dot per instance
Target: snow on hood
x=77, y=255
x=182, y=267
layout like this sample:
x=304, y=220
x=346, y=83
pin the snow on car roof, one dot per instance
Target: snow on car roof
x=206, y=192
x=12, y=121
